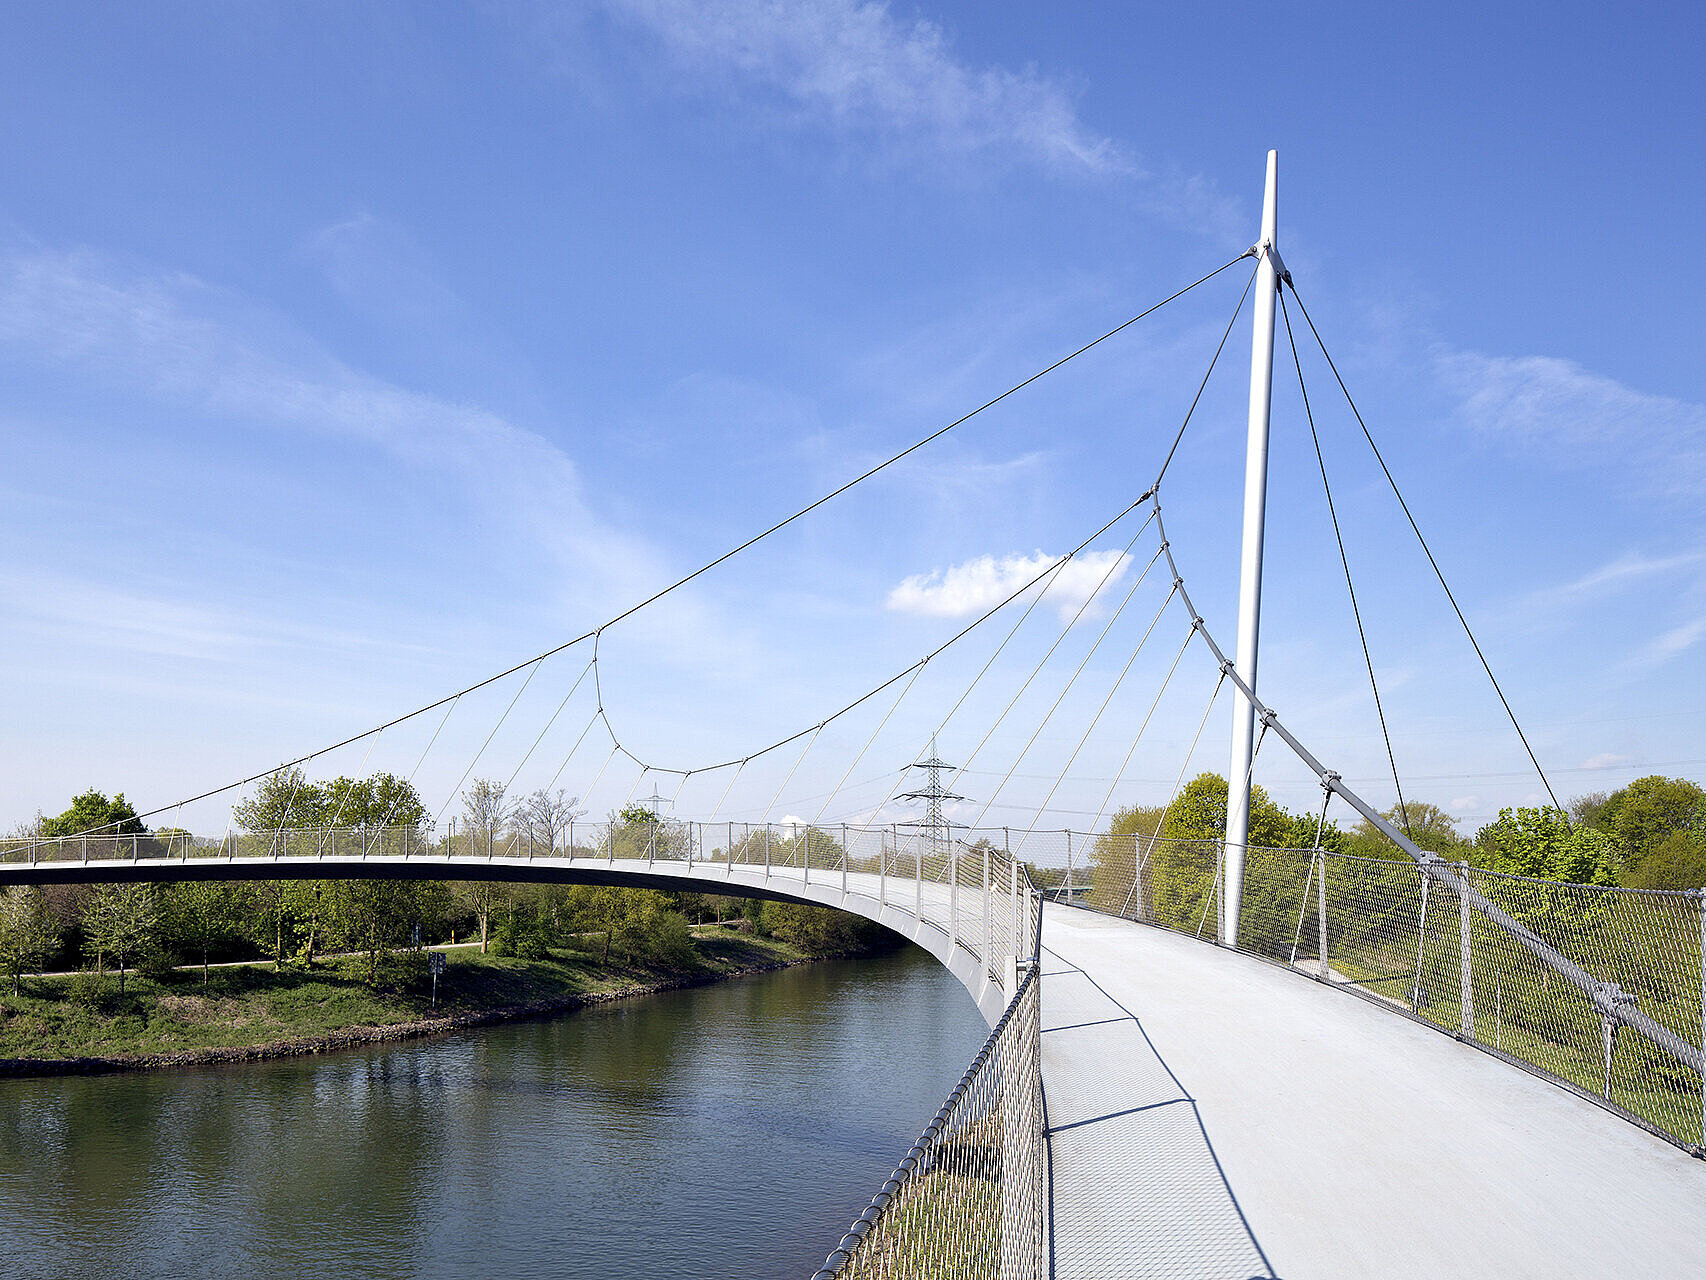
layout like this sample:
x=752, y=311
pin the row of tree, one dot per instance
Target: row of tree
x=1650, y=834
x=296, y=921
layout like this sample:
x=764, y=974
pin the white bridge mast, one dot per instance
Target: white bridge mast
x=1269, y=269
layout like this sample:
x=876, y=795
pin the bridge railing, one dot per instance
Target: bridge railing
x=968, y=1200
x=1472, y=962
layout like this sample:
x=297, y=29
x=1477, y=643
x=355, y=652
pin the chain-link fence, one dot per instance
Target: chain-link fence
x=967, y=1201
x=1598, y=987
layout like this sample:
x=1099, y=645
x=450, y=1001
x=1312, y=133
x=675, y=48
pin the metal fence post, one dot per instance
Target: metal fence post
x=767, y=851
x=882, y=870
x=918, y=879
x=1421, y=934
x=1069, y=866
x=1700, y=901
x=988, y=960
x=1321, y=913
x=953, y=891
x=843, y=859
x=1466, y=996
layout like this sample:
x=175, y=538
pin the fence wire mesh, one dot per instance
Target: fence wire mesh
x=967, y=1201
x=1398, y=936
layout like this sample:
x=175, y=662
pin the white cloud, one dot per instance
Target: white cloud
x=861, y=68
x=1578, y=416
x=1604, y=760
x=964, y=590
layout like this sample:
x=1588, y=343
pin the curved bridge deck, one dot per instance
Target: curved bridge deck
x=1211, y=1115
x=1208, y=1114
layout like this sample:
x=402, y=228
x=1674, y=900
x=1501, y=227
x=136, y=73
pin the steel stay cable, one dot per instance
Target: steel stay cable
x=897, y=676
x=1308, y=880
x=1607, y=997
x=547, y=729
x=881, y=724
x=1178, y=783
x=1073, y=680
x=1132, y=750
x=588, y=729
x=1207, y=374
x=804, y=751
x=488, y=741
x=1428, y=551
x=344, y=801
x=1095, y=719
x=1065, y=631
x=1344, y=561
x=703, y=569
x=1217, y=891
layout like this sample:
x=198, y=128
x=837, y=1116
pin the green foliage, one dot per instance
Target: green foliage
x=1428, y=825
x=287, y=800
x=28, y=932
x=198, y=917
x=640, y=925
x=815, y=929
x=373, y=916
x=1644, y=815
x=1542, y=843
x=1678, y=862
x=92, y=811
x=120, y=923
x=1199, y=813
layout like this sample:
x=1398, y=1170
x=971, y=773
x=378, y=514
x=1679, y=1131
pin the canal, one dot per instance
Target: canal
x=726, y=1131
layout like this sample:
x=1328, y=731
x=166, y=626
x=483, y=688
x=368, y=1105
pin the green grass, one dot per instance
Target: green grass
x=81, y=1016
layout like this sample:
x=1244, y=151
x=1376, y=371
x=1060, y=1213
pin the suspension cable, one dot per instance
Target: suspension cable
x=1073, y=680
x=1345, y=563
x=1428, y=551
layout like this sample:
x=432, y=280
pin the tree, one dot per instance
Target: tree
x=201, y=915
x=284, y=800
x=92, y=812
x=1645, y=814
x=485, y=811
x=1678, y=862
x=542, y=817
x=120, y=920
x=383, y=800
x=1541, y=843
x=1428, y=825
x=28, y=932
x=373, y=916
x=482, y=898
x=1199, y=813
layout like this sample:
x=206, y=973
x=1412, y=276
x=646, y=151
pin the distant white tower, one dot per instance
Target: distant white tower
x=933, y=794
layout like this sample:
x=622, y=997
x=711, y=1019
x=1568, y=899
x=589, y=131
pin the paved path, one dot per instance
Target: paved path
x=1214, y=1116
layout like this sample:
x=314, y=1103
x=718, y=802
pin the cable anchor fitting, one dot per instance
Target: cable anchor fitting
x=1266, y=250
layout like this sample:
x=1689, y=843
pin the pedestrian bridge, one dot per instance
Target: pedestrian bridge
x=1149, y=1104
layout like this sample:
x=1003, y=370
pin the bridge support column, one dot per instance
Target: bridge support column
x=1250, y=572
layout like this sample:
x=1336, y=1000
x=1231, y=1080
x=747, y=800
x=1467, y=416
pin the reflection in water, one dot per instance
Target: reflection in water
x=732, y=1130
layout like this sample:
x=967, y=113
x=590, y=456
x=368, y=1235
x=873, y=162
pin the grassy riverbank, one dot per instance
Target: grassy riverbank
x=251, y=1006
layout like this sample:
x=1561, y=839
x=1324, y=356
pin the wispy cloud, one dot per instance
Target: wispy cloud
x=176, y=338
x=857, y=66
x=1671, y=644
x=963, y=590
x=74, y=611
x=1581, y=417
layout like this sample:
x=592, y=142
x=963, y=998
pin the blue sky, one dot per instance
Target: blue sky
x=349, y=354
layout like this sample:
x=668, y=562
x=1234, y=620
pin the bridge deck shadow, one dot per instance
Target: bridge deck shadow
x=1114, y=1105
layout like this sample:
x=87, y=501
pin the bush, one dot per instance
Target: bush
x=87, y=988
x=526, y=939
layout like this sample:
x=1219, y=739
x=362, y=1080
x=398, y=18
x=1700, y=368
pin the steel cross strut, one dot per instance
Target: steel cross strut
x=1614, y=1005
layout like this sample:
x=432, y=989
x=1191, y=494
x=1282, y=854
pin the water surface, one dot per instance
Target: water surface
x=731, y=1130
